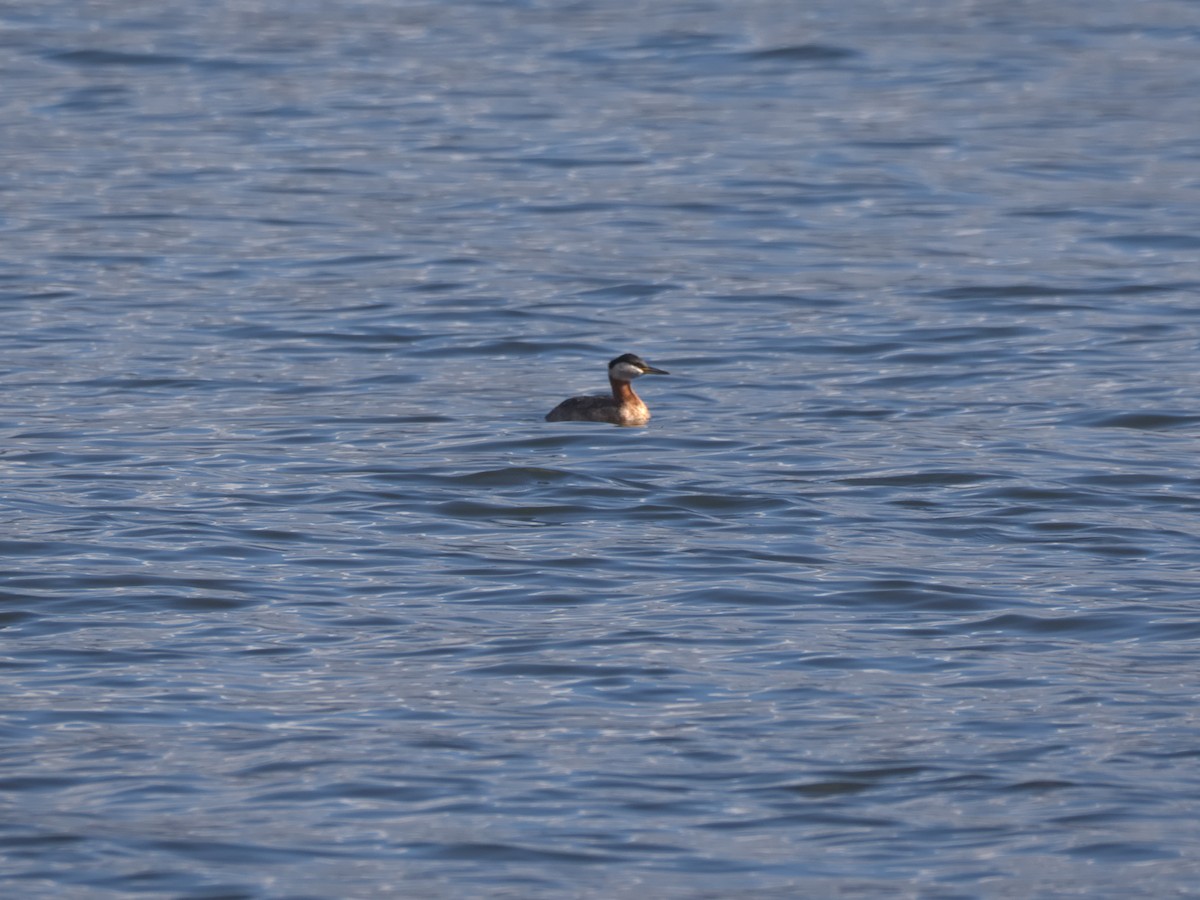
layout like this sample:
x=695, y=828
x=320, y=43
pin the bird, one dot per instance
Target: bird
x=624, y=407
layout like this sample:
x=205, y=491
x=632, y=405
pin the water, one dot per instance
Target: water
x=896, y=595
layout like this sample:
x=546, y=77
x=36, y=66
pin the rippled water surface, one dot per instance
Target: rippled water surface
x=897, y=595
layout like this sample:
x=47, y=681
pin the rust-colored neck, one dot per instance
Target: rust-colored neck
x=623, y=392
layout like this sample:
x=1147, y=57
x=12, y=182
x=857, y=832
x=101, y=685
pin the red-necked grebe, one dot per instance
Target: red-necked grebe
x=624, y=407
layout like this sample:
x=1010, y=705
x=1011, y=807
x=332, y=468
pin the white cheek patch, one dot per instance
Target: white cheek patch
x=625, y=372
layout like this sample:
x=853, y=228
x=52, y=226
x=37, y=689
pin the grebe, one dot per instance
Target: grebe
x=624, y=407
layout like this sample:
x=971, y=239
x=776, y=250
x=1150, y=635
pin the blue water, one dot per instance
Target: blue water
x=898, y=595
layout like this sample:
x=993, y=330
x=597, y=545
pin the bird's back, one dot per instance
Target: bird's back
x=585, y=409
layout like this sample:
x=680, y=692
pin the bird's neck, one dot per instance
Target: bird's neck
x=623, y=391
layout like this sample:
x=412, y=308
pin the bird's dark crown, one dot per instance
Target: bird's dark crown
x=632, y=358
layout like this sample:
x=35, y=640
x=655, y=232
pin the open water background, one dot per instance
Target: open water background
x=897, y=596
